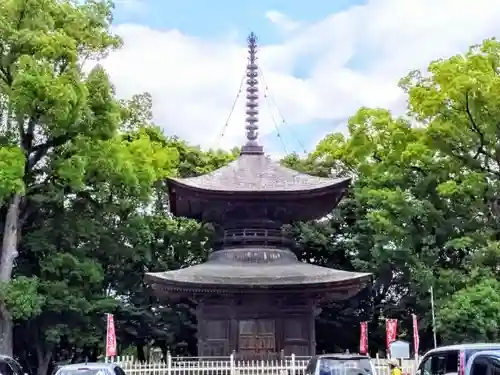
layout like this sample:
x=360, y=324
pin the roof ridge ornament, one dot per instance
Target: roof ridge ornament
x=252, y=147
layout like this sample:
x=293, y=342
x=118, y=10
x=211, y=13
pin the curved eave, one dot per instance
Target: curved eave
x=175, y=287
x=178, y=190
x=320, y=189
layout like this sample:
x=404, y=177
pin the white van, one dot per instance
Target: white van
x=451, y=360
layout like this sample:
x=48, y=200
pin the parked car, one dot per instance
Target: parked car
x=92, y=368
x=451, y=360
x=9, y=366
x=484, y=363
x=340, y=364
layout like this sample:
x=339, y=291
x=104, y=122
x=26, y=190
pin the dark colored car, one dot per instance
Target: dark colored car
x=451, y=360
x=340, y=364
x=9, y=366
x=484, y=363
x=93, y=368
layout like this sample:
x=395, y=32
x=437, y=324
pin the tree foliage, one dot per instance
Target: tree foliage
x=423, y=208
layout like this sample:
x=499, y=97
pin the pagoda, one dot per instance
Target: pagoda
x=254, y=297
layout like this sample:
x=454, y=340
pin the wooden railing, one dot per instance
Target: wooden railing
x=250, y=236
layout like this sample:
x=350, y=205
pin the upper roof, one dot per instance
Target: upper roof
x=254, y=173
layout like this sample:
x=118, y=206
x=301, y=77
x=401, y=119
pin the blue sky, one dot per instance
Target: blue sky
x=345, y=54
x=216, y=19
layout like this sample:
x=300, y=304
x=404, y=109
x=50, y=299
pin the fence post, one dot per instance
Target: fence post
x=293, y=364
x=231, y=364
x=169, y=363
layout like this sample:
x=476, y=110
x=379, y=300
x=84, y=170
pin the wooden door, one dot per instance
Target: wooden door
x=216, y=338
x=256, y=338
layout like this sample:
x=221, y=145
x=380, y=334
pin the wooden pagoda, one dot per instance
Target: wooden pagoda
x=253, y=295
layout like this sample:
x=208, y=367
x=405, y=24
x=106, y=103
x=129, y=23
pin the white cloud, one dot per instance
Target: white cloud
x=281, y=20
x=194, y=81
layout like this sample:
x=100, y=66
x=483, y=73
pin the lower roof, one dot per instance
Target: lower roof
x=256, y=268
x=250, y=276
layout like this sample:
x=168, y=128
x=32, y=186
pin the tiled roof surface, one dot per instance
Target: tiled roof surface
x=254, y=173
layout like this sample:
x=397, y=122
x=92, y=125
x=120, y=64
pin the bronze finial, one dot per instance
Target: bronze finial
x=252, y=105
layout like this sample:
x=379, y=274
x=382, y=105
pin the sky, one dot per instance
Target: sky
x=320, y=61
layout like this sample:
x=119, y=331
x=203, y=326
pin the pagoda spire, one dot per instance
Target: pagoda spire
x=252, y=106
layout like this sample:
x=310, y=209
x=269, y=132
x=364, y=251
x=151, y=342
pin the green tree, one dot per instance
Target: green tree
x=47, y=102
x=77, y=243
x=457, y=102
x=60, y=126
x=472, y=314
x=422, y=210
x=395, y=222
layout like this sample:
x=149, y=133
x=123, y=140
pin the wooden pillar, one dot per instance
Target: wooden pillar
x=200, y=331
x=314, y=313
x=233, y=327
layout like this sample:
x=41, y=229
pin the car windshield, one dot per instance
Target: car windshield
x=83, y=371
x=328, y=366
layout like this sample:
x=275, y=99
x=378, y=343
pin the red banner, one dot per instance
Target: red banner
x=363, y=338
x=416, y=338
x=391, y=330
x=110, y=336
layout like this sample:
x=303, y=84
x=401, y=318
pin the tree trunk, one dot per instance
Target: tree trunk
x=141, y=355
x=6, y=330
x=43, y=359
x=9, y=254
x=94, y=354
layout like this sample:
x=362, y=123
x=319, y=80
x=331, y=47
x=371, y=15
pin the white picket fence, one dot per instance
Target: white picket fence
x=291, y=365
